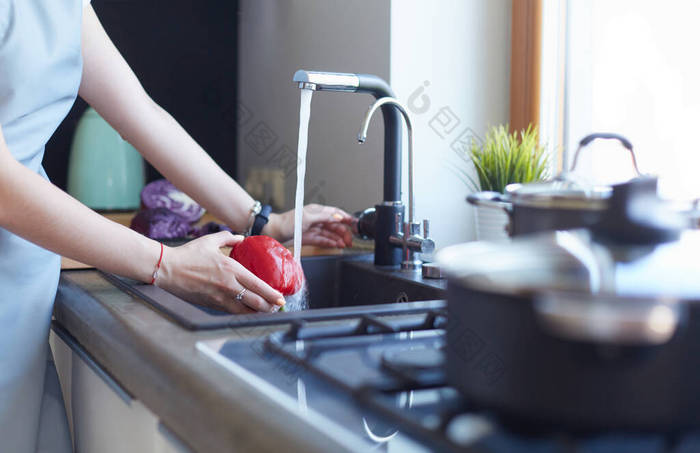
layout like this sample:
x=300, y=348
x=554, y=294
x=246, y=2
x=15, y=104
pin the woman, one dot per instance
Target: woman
x=41, y=71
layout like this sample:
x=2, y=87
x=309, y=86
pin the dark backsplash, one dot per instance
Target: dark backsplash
x=185, y=54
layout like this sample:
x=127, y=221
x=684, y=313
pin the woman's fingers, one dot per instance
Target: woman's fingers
x=330, y=223
x=323, y=237
x=337, y=233
x=336, y=238
x=253, y=301
x=341, y=230
x=315, y=213
x=341, y=216
x=223, y=239
x=262, y=290
x=237, y=308
x=313, y=238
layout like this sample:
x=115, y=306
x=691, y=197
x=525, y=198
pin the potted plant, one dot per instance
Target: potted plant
x=503, y=158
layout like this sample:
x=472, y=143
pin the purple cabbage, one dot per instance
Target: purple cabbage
x=160, y=223
x=162, y=194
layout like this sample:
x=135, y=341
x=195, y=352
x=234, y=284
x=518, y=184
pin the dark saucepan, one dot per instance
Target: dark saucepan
x=585, y=329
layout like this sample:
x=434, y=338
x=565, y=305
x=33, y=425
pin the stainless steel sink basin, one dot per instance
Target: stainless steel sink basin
x=348, y=280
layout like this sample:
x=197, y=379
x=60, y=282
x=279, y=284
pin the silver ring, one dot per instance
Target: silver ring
x=239, y=296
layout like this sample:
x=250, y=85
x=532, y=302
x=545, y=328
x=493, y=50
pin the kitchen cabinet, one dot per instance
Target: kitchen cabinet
x=103, y=416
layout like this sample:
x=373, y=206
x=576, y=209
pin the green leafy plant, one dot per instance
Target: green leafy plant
x=504, y=158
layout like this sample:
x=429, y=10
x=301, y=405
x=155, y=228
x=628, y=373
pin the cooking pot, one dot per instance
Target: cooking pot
x=585, y=329
x=558, y=204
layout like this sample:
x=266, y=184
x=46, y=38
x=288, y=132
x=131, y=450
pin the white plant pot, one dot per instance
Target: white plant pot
x=491, y=223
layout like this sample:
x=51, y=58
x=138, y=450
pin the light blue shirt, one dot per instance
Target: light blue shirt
x=40, y=70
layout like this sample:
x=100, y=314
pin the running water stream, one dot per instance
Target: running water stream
x=299, y=301
x=304, y=114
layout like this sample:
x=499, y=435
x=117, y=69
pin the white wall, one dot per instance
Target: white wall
x=277, y=37
x=462, y=49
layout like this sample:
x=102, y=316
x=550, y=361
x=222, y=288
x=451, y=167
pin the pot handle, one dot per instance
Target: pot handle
x=612, y=320
x=585, y=141
x=493, y=200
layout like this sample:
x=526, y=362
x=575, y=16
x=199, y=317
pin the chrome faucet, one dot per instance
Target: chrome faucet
x=327, y=81
x=407, y=234
x=385, y=212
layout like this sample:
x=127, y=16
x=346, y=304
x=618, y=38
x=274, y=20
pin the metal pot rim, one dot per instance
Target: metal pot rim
x=569, y=261
x=541, y=195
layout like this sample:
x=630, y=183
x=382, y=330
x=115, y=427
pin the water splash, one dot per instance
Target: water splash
x=298, y=301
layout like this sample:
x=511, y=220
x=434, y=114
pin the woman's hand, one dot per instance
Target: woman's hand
x=200, y=273
x=324, y=226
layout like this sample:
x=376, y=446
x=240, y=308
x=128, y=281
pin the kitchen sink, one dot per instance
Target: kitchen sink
x=348, y=280
x=337, y=285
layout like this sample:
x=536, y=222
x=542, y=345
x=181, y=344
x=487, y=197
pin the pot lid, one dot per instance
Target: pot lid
x=575, y=261
x=564, y=191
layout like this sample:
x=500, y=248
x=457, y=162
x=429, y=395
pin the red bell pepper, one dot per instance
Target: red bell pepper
x=271, y=262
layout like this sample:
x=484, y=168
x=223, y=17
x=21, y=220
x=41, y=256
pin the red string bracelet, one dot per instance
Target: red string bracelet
x=160, y=260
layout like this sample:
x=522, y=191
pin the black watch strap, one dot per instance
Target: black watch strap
x=261, y=220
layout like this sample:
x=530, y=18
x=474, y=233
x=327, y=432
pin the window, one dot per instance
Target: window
x=630, y=67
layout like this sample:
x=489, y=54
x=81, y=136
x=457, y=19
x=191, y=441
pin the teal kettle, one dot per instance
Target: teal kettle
x=104, y=171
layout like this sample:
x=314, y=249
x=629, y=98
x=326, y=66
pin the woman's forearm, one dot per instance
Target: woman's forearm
x=36, y=210
x=110, y=86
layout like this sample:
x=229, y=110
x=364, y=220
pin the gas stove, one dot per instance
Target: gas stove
x=379, y=377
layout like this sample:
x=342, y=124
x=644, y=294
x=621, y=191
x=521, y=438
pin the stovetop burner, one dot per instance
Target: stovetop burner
x=391, y=367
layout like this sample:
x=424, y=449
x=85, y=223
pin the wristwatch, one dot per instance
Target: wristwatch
x=261, y=219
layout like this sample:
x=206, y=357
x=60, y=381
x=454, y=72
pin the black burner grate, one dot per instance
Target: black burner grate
x=388, y=363
x=402, y=368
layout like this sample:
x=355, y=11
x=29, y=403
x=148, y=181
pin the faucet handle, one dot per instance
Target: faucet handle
x=426, y=228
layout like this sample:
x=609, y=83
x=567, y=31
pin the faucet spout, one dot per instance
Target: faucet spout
x=377, y=87
x=362, y=138
x=407, y=234
x=326, y=81
x=385, y=253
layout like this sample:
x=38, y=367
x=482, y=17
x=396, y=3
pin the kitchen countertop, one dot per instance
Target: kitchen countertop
x=157, y=362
